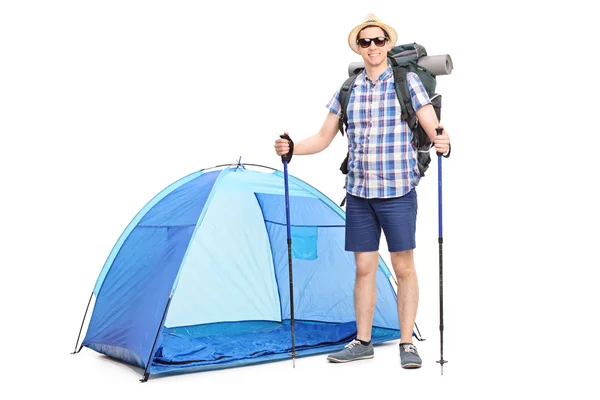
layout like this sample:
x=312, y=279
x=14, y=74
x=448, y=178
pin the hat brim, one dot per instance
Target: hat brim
x=352, y=37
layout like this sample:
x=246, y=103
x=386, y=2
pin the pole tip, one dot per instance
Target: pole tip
x=442, y=362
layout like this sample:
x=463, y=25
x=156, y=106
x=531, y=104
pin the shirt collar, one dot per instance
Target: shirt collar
x=386, y=74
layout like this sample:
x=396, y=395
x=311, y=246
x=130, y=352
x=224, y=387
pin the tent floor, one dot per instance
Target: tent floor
x=228, y=344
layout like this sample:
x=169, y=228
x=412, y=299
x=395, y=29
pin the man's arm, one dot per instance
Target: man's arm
x=313, y=144
x=428, y=120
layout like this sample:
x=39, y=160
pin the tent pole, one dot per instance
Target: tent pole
x=82, y=322
x=419, y=336
x=285, y=159
x=162, y=321
x=237, y=164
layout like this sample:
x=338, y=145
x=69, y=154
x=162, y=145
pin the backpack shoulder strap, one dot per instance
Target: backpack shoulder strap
x=401, y=85
x=345, y=92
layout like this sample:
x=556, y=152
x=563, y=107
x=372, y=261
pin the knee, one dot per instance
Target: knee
x=365, y=270
x=404, y=272
x=404, y=266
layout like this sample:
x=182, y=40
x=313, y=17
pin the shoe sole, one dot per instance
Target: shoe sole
x=335, y=360
x=411, y=366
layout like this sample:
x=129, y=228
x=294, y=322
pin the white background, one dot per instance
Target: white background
x=104, y=104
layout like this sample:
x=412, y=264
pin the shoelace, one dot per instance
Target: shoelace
x=352, y=344
x=409, y=348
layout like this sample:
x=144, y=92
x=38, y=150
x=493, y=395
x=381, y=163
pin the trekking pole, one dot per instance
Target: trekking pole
x=440, y=244
x=285, y=159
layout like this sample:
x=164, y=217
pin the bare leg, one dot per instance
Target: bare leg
x=365, y=292
x=408, y=292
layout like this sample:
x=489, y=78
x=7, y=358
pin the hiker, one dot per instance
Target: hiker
x=380, y=183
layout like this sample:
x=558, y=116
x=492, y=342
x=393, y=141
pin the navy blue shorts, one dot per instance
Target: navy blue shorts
x=365, y=218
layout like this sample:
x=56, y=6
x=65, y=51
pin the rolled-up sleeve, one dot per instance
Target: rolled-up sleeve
x=418, y=94
x=334, y=104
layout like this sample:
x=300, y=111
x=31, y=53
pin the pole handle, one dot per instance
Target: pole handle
x=439, y=132
x=286, y=158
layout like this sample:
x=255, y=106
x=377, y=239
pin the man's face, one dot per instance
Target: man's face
x=373, y=55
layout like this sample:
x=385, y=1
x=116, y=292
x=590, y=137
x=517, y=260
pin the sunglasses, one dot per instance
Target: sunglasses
x=366, y=42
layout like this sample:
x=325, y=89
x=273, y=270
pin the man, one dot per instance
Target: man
x=381, y=181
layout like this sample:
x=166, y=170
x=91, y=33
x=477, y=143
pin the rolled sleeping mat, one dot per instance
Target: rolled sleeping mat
x=438, y=65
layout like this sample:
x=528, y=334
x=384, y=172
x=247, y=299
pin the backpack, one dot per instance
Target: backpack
x=403, y=59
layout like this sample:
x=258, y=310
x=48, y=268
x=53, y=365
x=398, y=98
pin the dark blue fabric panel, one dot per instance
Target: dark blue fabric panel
x=207, y=347
x=135, y=292
x=182, y=206
x=235, y=343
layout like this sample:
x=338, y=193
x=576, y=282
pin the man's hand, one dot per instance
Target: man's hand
x=282, y=146
x=442, y=142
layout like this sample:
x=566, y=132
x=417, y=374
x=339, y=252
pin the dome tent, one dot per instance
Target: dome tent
x=199, y=279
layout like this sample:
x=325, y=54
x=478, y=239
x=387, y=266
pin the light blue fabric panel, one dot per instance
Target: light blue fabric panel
x=333, y=207
x=324, y=287
x=304, y=211
x=228, y=272
x=242, y=180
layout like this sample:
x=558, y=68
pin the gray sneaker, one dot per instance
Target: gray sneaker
x=353, y=351
x=409, y=357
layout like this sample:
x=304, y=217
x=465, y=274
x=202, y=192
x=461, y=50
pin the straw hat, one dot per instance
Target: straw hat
x=370, y=20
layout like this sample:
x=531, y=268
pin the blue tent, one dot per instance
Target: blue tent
x=199, y=279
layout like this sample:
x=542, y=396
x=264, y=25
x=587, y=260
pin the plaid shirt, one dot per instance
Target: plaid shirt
x=383, y=161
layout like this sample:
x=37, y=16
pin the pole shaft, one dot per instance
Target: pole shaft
x=289, y=243
x=441, y=257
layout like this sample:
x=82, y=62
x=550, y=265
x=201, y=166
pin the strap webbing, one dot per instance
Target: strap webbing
x=345, y=92
x=408, y=112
